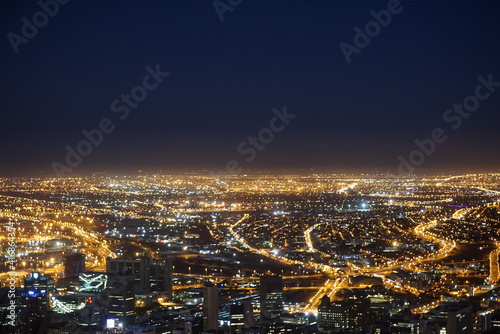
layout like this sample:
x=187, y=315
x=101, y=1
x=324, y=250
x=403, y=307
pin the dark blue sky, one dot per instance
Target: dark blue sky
x=226, y=77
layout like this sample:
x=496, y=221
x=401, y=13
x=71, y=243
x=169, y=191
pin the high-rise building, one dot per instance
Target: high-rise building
x=241, y=317
x=460, y=321
x=149, y=274
x=160, y=276
x=74, y=264
x=495, y=320
x=332, y=315
x=210, y=307
x=93, y=286
x=454, y=317
x=359, y=311
x=34, y=303
x=137, y=268
x=121, y=299
x=271, y=296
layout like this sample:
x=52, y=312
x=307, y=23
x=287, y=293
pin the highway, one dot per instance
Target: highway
x=494, y=270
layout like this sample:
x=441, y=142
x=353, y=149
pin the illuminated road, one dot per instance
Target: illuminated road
x=427, y=308
x=329, y=289
x=446, y=245
x=86, y=236
x=310, y=245
x=494, y=270
x=488, y=190
x=331, y=286
x=269, y=254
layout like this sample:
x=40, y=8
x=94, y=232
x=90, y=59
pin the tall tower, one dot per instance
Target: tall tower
x=210, y=307
x=160, y=277
x=460, y=321
x=241, y=317
x=121, y=299
x=271, y=297
x=34, y=301
x=74, y=264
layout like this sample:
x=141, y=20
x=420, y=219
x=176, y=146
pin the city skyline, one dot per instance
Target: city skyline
x=249, y=167
x=250, y=254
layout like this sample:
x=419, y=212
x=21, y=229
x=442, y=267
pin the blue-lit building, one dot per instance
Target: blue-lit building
x=34, y=303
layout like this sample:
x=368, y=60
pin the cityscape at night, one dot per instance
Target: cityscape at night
x=249, y=167
x=253, y=253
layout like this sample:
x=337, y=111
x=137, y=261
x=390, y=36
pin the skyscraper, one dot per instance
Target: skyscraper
x=332, y=315
x=241, y=317
x=495, y=320
x=210, y=307
x=121, y=299
x=271, y=296
x=460, y=321
x=34, y=301
x=74, y=264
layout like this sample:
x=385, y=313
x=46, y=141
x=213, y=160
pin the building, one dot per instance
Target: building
x=121, y=300
x=210, y=307
x=160, y=277
x=92, y=282
x=332, y=315
x=495, y=320
x=74, y=264
x=455, y=317
x=34, y=303
x=149, y=274
x=360, y=310
x=241, y=317
x=271, y=297
x=460, y=321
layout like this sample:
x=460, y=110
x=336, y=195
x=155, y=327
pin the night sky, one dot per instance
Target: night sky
x=225, y=78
